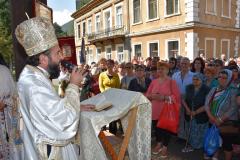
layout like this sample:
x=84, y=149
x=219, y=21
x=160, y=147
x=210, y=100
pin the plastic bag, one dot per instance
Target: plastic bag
x=212, y=140
x=169, y=118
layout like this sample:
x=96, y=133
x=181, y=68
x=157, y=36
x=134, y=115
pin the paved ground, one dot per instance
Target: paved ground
x=175, y=153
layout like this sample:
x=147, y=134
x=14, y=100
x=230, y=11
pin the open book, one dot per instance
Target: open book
x=102, y=103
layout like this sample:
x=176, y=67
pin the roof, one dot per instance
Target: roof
x=87, y=7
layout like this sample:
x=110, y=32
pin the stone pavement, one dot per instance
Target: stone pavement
x=175, y=147
x=174, y=152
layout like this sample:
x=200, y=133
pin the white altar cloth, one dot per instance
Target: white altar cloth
x=139, y=147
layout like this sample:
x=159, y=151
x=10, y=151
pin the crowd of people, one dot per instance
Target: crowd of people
x=206, y=92
x=203, y=93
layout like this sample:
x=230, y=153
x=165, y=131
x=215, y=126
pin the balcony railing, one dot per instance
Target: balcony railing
x=107, y=33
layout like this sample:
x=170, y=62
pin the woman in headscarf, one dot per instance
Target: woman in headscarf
x=10, y=142
x=220, y=103
x=195, y=115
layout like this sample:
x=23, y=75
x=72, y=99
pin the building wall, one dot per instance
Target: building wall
x=218, y=18
x=217, y=35
x=109, y=43
x=194, y=28
x=162, y=38
x=161, y=21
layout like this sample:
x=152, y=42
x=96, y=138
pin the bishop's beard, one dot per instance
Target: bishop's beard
x=53, y=69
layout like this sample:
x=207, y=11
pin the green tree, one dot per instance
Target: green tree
x=6, y=47
x=59, y=31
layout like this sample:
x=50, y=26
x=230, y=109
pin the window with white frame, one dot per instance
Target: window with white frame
x=90, y=56
x=152, y=9
x=172, y=7
x=136, y=11
x=98, y=54
x=119, y=16
x=210, y=47
x=153, y=49
x=108, y=53
x=107, y=19
x=89, y=26
x=84, y=28
x=98, y=23
x=211, y=7
x=225, y=47
x=79, y=31
x=120, y=53
x=138, y=50
x=226, y=8
x=173, y=48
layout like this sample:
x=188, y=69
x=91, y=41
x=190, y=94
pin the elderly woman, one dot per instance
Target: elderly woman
x=160, y=91
x=220, y=103
x=140, y=83
x=195, y=114
x=10, y=142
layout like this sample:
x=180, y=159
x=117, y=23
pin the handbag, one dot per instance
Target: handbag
x=169, y=116
x=230, y=127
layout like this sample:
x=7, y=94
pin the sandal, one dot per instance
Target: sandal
x=205, y=157
x=187, y=149
x=157, y=152
x=157, y=149
x=163, y=156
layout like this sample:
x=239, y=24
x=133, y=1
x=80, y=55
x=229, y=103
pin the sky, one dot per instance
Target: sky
x=62, y=10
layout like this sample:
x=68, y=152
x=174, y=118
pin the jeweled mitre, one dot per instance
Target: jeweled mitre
x=36, y=35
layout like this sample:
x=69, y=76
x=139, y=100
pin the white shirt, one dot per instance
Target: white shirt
x=183, y=82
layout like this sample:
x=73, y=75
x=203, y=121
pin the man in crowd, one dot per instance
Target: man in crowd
x=50, y=123
x=183, y=78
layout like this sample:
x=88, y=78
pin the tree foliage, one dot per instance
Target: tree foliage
x=59, y=31
x=6, y=47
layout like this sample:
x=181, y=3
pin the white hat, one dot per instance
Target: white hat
x=36, y=35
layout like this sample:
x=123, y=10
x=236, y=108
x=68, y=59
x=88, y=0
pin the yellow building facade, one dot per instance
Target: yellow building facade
x=125, y=29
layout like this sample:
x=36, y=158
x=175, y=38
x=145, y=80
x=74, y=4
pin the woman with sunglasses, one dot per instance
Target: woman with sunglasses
x=140, y=83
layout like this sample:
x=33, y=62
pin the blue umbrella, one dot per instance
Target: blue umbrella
x=82, y=53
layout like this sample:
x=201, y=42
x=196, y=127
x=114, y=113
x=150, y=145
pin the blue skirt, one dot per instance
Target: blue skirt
x=197, y=133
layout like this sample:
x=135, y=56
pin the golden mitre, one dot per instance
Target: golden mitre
x=36, y=35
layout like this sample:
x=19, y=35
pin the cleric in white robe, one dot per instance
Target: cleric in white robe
x=50, y=123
